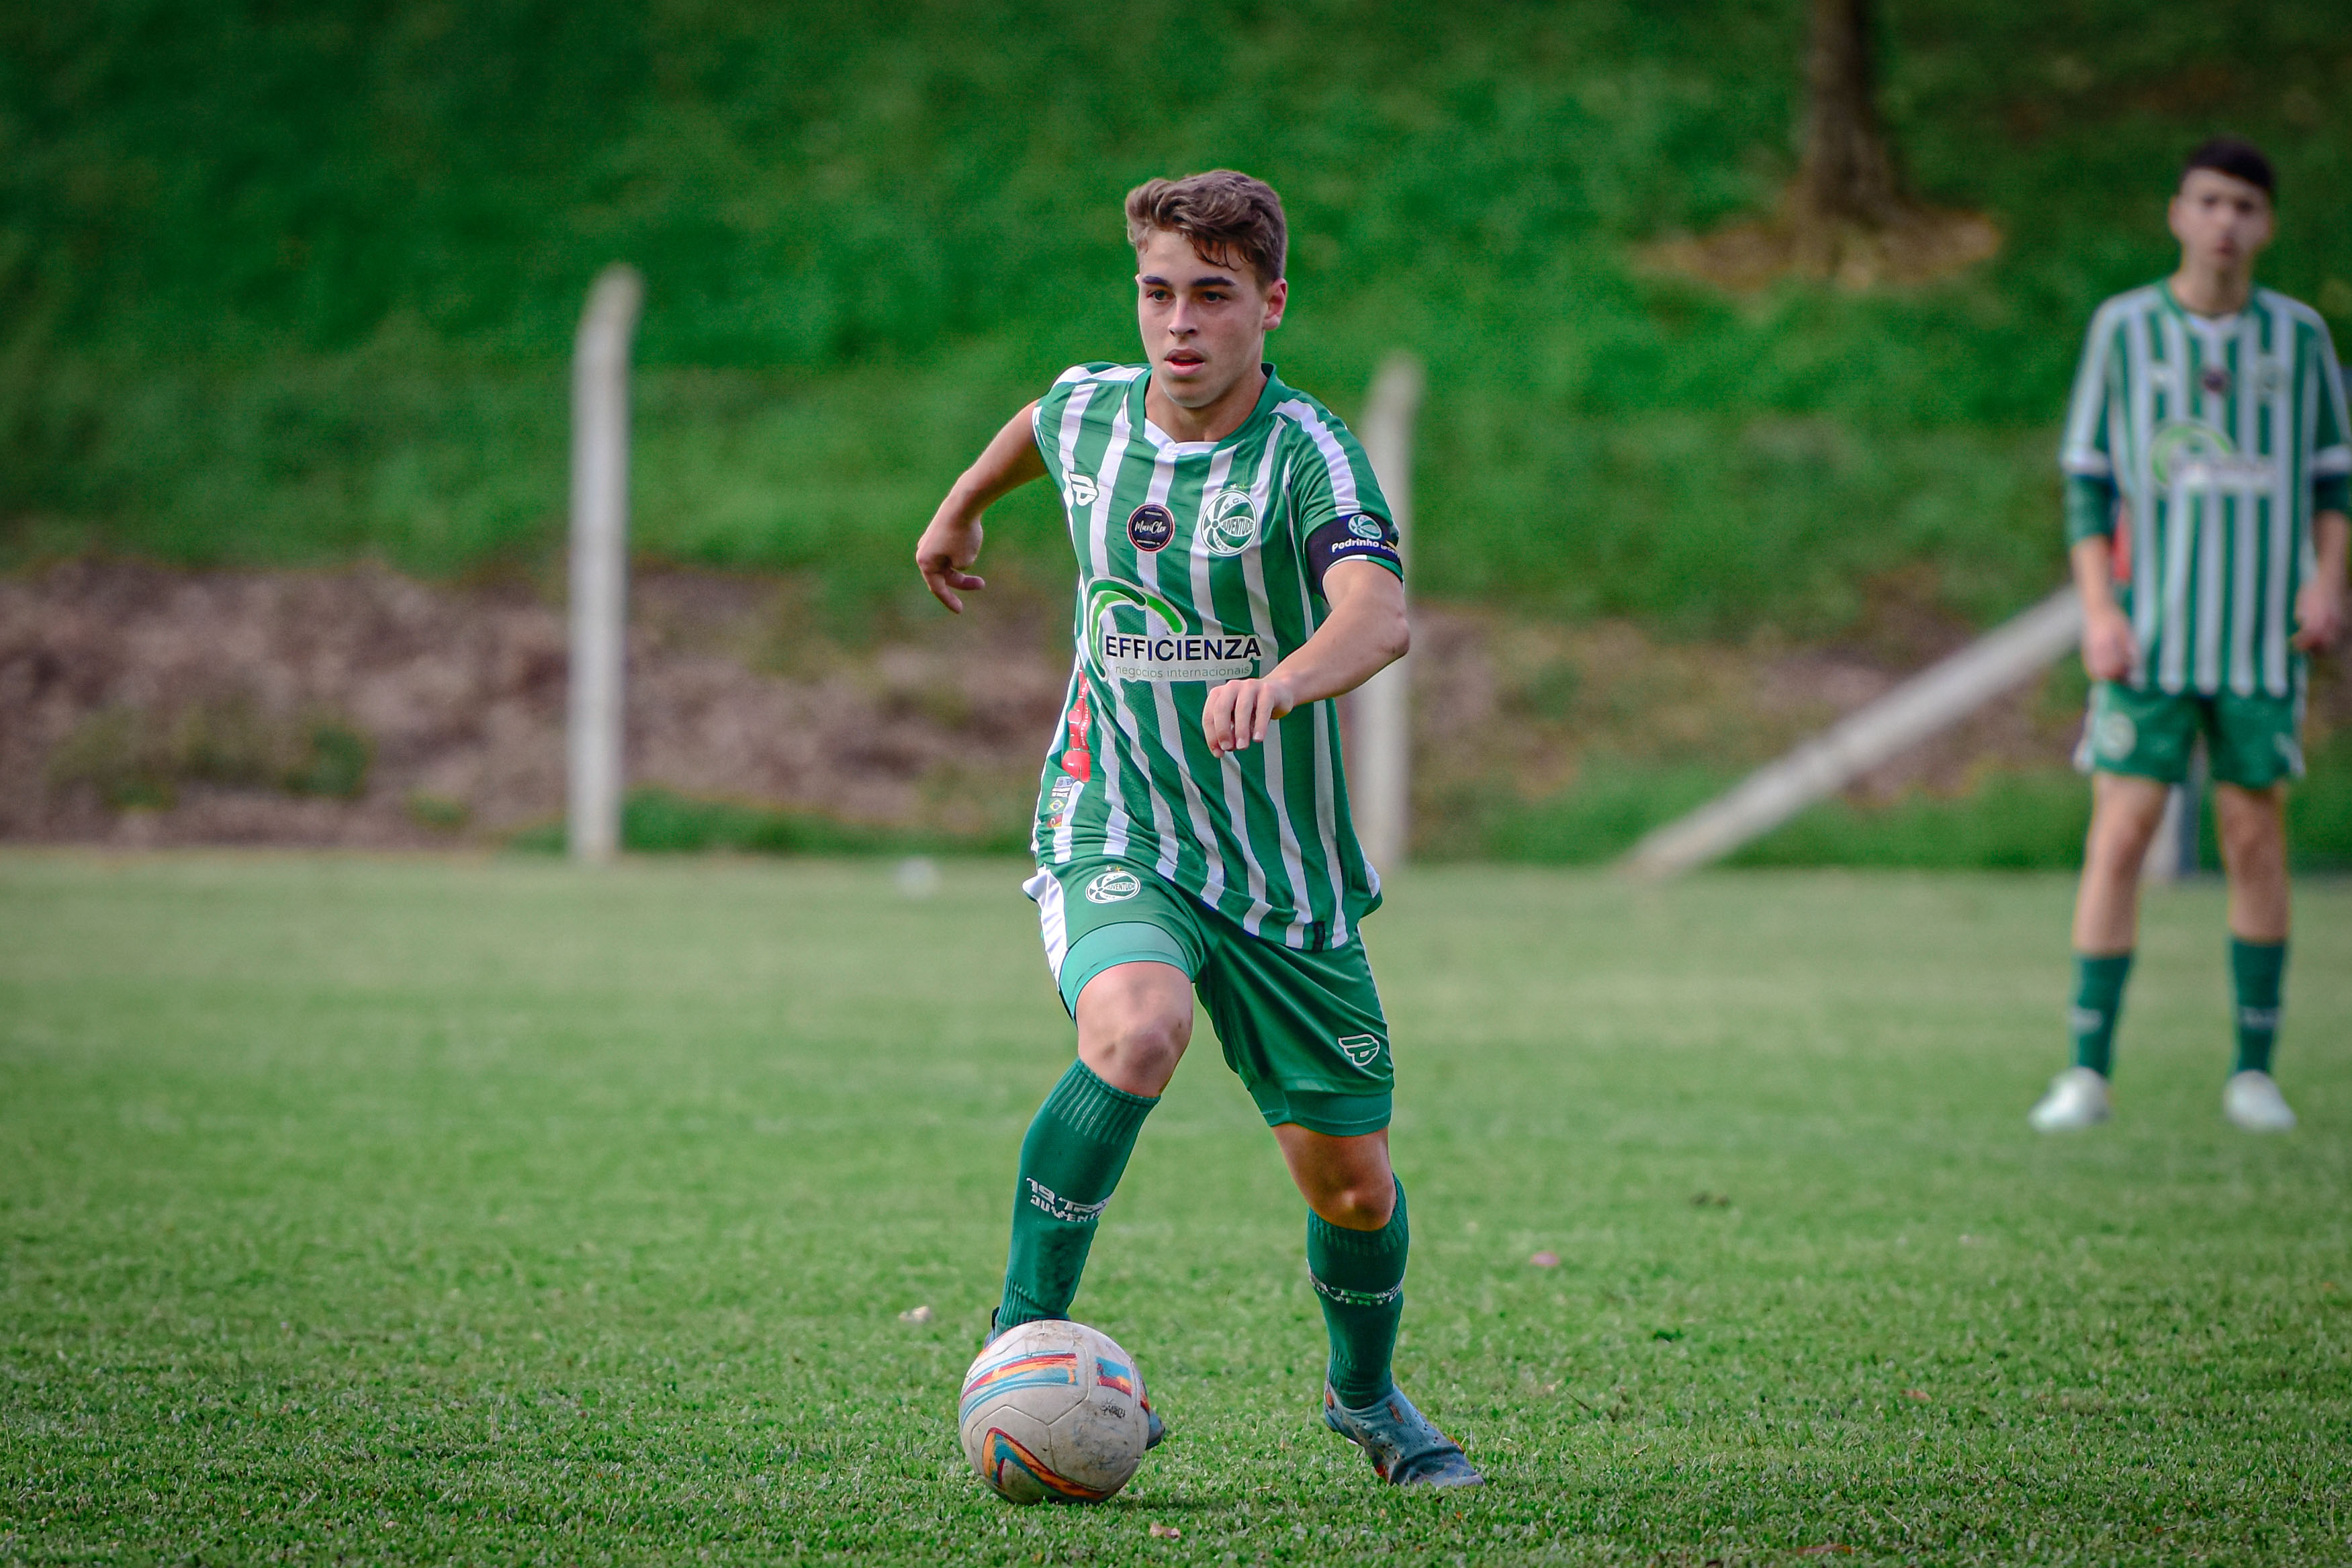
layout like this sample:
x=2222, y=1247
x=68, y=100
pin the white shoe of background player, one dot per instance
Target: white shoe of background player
x=2252, y=1101
x=2077, y=1099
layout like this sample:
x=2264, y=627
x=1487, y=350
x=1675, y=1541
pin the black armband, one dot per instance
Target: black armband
x=1358, y=536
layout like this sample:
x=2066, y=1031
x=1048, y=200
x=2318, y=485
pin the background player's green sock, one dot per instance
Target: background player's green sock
x=2098, y=997
x=1360, y=1275
x=2259, y=970
x=1070, y=1164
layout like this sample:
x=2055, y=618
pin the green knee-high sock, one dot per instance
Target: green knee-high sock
x=1070, y=1164
x=1360, y=1275
x=2098, y=997
x=2259, y=970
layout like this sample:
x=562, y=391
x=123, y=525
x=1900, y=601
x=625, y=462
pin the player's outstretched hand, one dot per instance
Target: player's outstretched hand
x=2318, y=614
x=947, y=548
x=2110, y=651
x=1239, y=712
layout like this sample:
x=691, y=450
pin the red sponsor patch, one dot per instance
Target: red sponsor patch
x=1077, y=759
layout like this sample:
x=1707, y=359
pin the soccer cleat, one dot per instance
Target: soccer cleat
x=2077, y=1099
x=1404, y=1449
x=2252, y=1101
x=1155, y=1430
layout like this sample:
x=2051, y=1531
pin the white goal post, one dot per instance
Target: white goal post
x=600, y=563
x=1380, y=713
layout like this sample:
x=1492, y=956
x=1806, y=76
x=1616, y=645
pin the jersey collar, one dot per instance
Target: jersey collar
x=1272, y=393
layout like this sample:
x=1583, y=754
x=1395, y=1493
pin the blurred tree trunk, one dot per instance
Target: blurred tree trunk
x=1848, y=179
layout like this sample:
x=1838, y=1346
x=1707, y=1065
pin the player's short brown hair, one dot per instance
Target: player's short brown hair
x=1228, y=217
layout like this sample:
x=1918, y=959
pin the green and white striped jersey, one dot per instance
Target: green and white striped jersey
x=1200, y=562
x=2215, y=433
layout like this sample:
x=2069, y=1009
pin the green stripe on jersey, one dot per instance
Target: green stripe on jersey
x=2214, y=432
x=1191, y=572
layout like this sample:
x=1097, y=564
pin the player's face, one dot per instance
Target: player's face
x=2221, y=222
x=1204, y=323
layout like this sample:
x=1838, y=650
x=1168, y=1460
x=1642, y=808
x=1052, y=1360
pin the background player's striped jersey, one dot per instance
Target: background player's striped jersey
x=1194, y=568
x=2214, y=432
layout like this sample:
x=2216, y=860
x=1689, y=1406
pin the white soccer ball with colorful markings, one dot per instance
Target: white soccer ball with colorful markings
x=1054, y=1412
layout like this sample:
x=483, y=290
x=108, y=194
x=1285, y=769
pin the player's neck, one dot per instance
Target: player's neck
x=1214, y=423
x=2212, y=291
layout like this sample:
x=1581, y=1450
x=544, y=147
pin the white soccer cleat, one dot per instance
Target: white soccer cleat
x=2252, y=1101
x=2077, y=1099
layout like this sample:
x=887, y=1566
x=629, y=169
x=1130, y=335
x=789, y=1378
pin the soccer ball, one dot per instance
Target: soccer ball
x=1054, y=1412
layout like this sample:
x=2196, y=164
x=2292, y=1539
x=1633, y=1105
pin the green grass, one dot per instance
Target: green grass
x=294, y=284
x=410, y=1210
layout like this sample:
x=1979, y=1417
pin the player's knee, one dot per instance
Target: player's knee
x=1145, y=1041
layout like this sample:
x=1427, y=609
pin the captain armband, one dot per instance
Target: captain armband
x=1354, y=535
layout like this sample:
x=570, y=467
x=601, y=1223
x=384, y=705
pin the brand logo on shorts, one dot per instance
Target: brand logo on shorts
x=1229, y=525
x=2112, y=735
x=1151, y=526
x=1113, y=886
x=1363, y=1050
x=1083, y=490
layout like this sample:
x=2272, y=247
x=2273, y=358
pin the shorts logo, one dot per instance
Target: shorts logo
x=1113, y=886
x=2113, y=735
x=1365, y=526
x=1363, y=1050
x=1229, y=524
x=1083, y=490
x=1149, y=527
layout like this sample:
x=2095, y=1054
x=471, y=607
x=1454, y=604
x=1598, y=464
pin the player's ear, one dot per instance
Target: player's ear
x=1277, y=297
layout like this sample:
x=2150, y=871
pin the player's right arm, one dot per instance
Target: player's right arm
x=951, y=543
x=2110, y=651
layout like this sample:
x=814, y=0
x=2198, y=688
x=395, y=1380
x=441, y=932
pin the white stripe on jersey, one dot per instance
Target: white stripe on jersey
x=1052, y=925
x=1116, y=828
x=1294, y=864
x=1163, y=707
x=1229, y=767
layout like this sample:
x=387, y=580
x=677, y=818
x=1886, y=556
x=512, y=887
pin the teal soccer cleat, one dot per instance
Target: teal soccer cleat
x=1155, y=1430
x=1404, y=1447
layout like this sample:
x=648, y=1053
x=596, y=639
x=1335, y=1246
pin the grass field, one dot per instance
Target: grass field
x=398, y=1211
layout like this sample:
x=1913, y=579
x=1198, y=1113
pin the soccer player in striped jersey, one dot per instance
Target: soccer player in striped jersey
x=2207, y=463
x=1237, y=572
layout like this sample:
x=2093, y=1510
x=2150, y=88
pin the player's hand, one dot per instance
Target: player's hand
x=2110, y=651
x=2318, y=615
x=1239, y=712
x=948, y=546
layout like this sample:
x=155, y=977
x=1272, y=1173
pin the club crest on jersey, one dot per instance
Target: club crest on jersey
x=1229, y=522
x=1151, y=526
x=1113, y=886
x=1083, y=490
x=1133, y=634
x=1363, y=1050
x=1365, y=526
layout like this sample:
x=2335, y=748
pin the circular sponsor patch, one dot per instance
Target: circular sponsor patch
x=2114, y=736
x=1113, y=886
x=1229, y=526
x=2215, y=380
x=1149, y=527
x=1365, y=526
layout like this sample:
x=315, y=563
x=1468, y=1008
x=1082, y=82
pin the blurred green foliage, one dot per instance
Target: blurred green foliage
x=288, y=283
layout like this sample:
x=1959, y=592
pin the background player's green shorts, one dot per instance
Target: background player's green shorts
x=2251, y=741
x=1303, y=1030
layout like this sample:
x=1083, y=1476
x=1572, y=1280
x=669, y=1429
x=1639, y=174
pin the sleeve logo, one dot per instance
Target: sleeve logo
x=1365, y=526
x=1229, y=522
x=1113, y=886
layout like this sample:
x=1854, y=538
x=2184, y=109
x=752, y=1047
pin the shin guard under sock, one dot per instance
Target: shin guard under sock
x=2258, y=970
x=2098, y=997
x=1360, y=1276
x=1070, y=1164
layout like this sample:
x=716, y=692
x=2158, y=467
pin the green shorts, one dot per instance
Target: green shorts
x=1304, y=1031
x=2252, y=742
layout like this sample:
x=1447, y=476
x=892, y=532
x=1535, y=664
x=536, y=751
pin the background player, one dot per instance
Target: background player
x=1238, y=570
x=2208, y=420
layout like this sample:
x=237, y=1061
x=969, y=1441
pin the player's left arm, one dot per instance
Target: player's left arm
x=2319, y=605
x=1363, y=635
